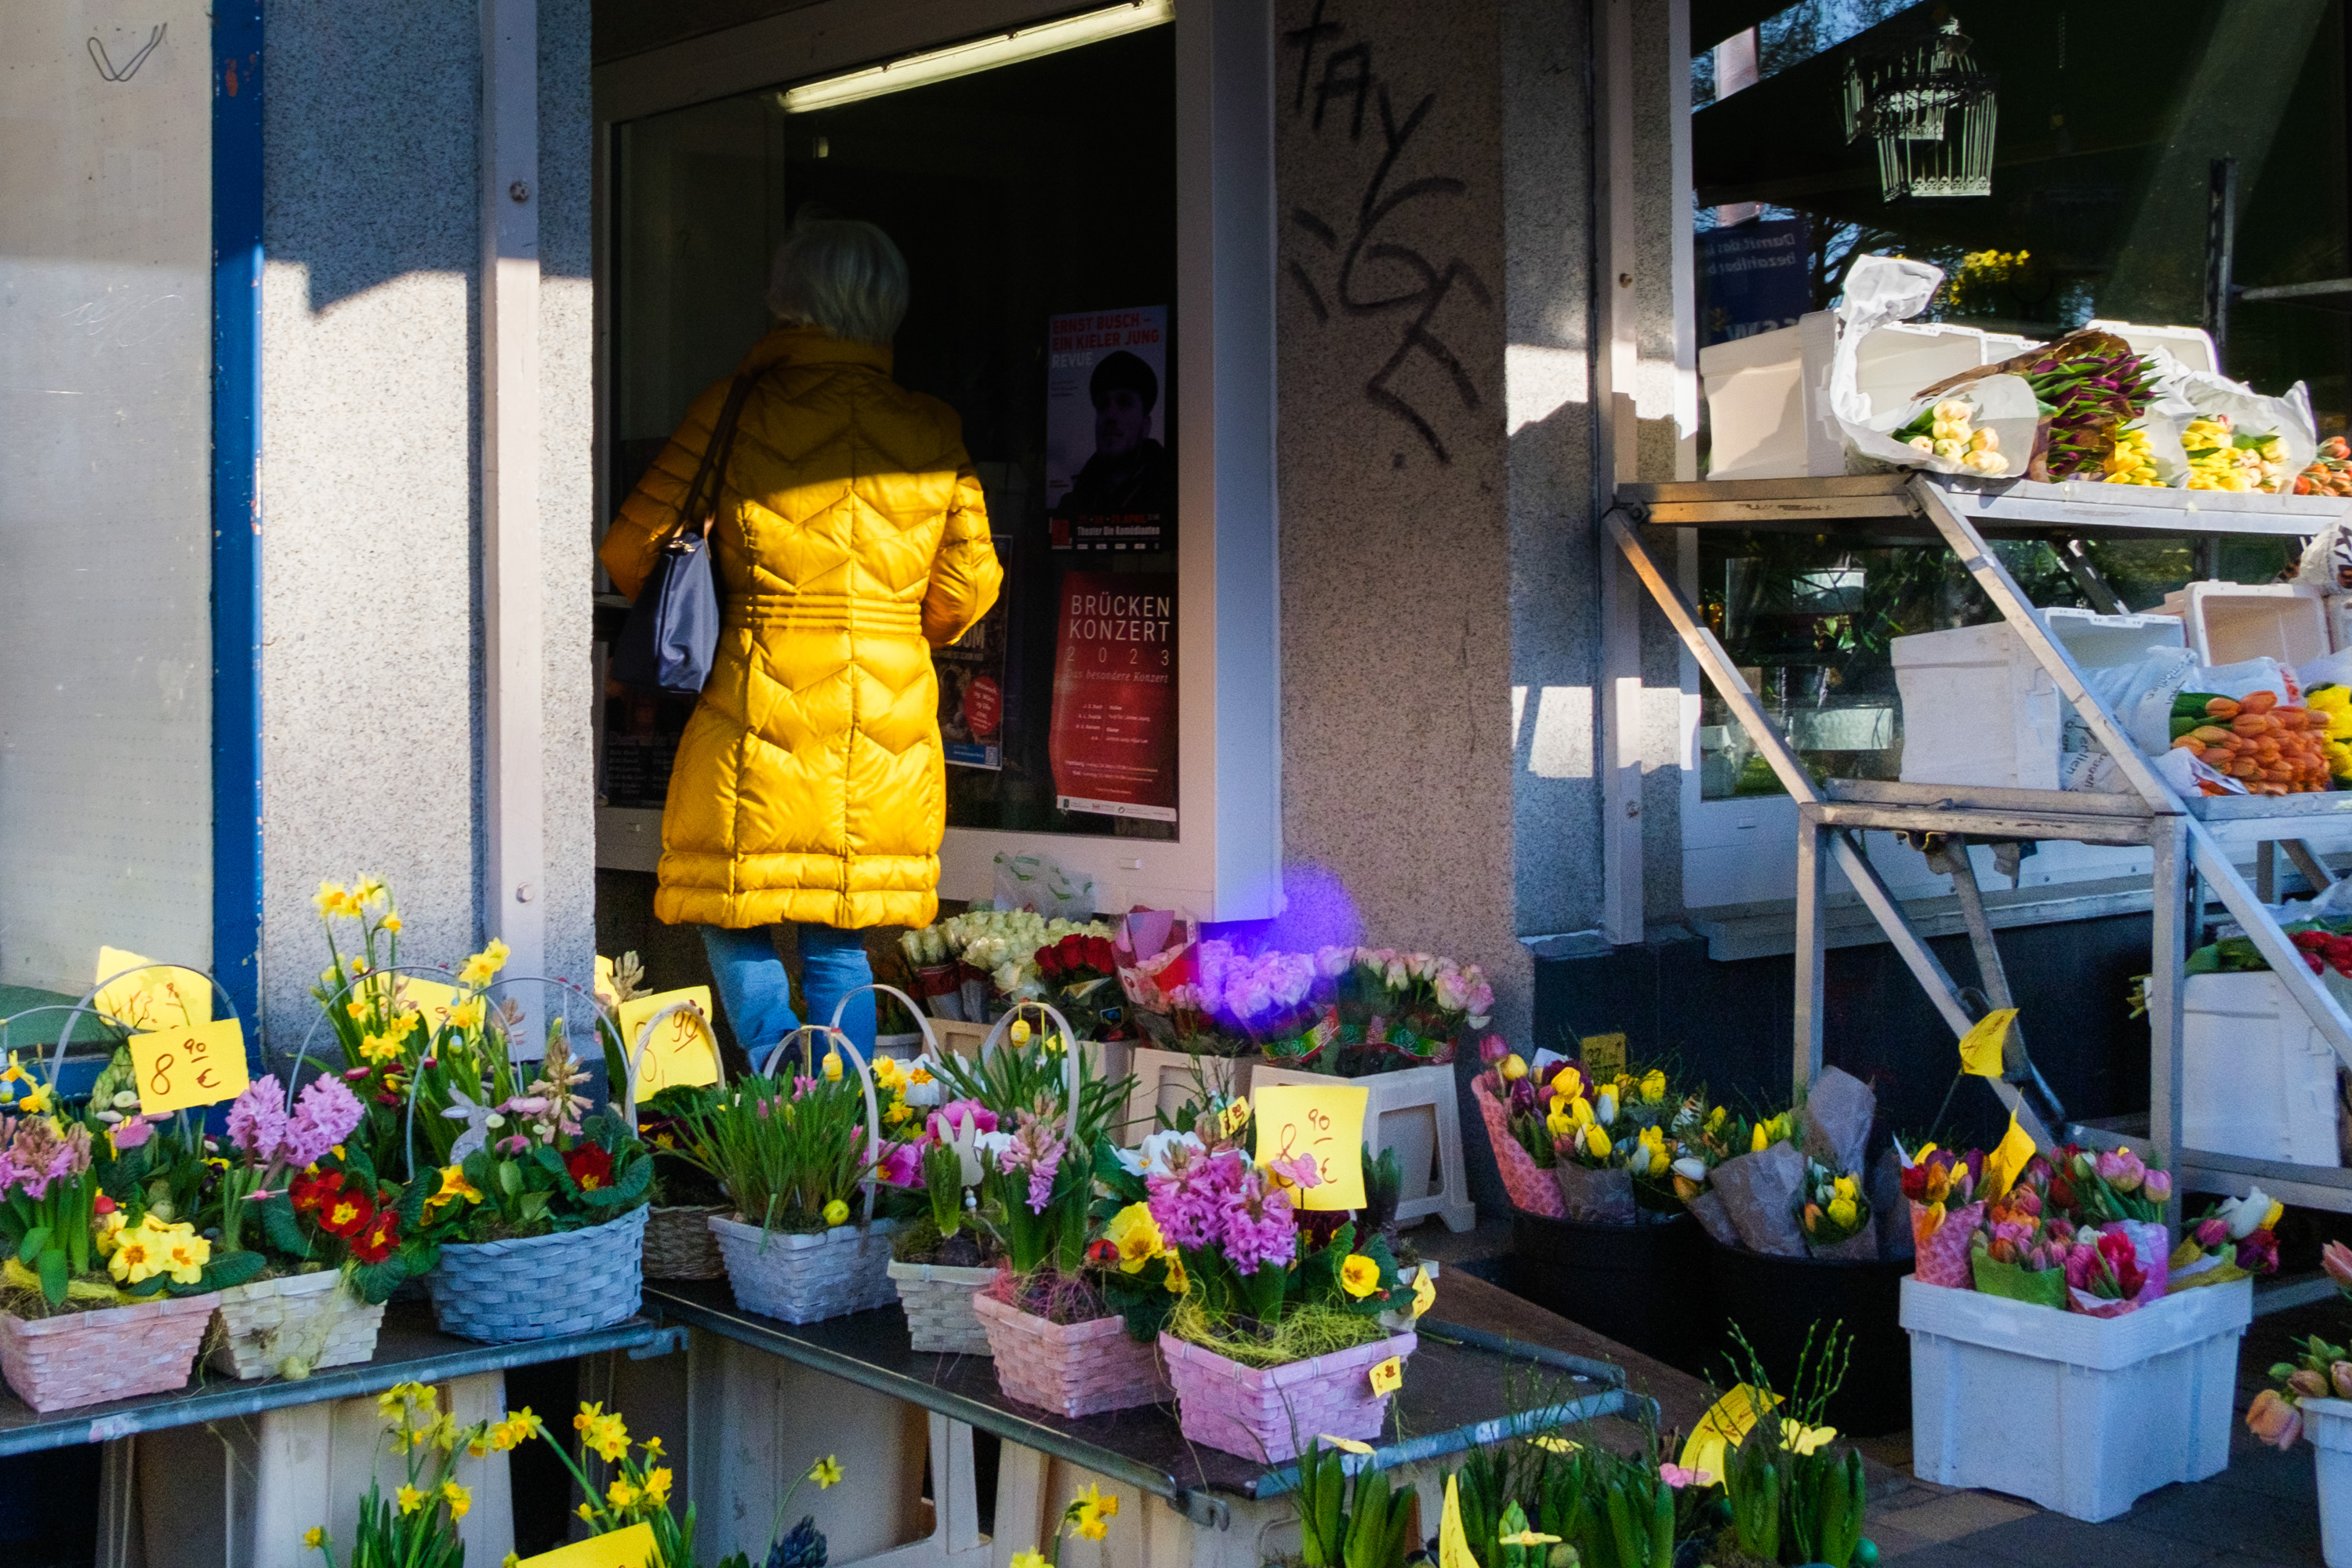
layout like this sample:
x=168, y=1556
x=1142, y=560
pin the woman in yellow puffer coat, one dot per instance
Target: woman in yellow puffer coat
x=850, y=541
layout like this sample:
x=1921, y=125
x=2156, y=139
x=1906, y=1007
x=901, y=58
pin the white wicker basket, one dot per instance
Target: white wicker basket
x=938, y=1299
x=292, y=1327
x=804, y=1278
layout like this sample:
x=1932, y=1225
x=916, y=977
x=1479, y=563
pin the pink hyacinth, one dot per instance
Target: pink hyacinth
x=1189, y=1204
x=323, y=1117
x=256, y=1121
x=1259, y=1227
x=1037, y=1147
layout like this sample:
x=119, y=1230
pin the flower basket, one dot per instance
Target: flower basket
x=1531, y=1187
x=1265, y=1413
x=1776, y=1301
x=2328, y=1424
x=542, y=1286
x=115, y=1352
x=1070, y=1369
x=1642, y=1284
x=805, y=1278
x=292, y=1327
x=679, y=1243
x=938, y=1299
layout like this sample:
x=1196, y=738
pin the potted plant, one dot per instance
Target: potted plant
x=950, y=1252
x=790, y=1153
x=417, y=1526
x=330, y=1234
x=1278, y=1335
x=102, y=1297
x=529, y=1186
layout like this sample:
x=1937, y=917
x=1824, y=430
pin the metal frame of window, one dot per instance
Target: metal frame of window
x=1225, y=862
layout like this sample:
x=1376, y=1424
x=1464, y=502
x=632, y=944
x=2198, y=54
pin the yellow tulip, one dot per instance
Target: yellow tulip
x=1513, y=1068
x=1596, y=1142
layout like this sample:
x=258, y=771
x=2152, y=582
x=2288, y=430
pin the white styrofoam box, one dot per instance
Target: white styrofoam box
x=2328, y=1424
x=2192, y=346
x=1978, y=708
x=2080, y=1415
x=2229, y=623
x=2258, y=1081
x=1768, y=396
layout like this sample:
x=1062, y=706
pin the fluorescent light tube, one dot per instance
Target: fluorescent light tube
x=979, y=54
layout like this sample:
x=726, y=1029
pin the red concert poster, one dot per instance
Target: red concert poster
x=1113, y=744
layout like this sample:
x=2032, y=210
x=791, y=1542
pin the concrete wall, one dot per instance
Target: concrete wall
x=371, y=506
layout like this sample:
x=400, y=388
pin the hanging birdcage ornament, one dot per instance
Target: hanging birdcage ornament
x=1930, y=110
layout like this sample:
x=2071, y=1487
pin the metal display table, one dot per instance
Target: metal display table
x=2191, y=840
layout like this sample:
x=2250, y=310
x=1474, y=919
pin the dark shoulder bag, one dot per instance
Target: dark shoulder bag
x=672, y=632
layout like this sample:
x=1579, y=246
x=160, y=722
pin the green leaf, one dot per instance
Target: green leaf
x=357, y=1163
x=280, y=1228
x=223, y=1270
x=510, y=1178
x=376, y=1282
x=30, y=1247
x=53, y=1276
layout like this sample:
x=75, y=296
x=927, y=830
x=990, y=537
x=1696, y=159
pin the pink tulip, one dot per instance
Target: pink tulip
x=1493, y=1049
x=2273, y=1419
x=2122, y=1170
x=2156, y=1186
x=2337, y=1258
x=2307, y=1384
x=2340, y=1376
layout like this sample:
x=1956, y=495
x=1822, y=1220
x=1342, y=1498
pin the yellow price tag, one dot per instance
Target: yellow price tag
x=1233, y=1117
x=1388, y=1376
x=429, y=997
x=683, y=1050
x=1982, y=1047
x=2007, y=1159
x=1727, y=1421
x=1604, y=1054
x=155, y=998
x=630, y=1548
x=1324, y=1121
x=608, y=991
x=179, y=1069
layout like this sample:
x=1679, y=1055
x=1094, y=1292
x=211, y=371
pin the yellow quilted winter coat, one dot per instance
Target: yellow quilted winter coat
x=851, y=540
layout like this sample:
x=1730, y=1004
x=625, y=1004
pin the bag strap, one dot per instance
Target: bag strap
x=710, y=478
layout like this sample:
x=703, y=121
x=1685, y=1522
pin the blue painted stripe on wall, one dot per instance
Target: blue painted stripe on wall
x=236, y=501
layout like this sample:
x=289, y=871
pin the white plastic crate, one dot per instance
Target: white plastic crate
x=1978, y=708
x=2080, y=1415
x=2328, y=1424
x=2258, y=1081
x=2192, y=346
x=2229, y=623
x=1768, y=396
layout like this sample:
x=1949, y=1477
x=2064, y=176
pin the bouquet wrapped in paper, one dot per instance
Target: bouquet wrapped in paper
x=1940, y=1185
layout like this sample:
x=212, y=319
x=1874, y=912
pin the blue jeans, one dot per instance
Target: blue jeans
x=757, y=994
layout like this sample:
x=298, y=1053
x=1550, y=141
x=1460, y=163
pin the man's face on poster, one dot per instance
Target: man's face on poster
x=1122, y=420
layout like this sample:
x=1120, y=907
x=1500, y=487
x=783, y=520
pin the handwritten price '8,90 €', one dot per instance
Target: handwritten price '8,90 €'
x=681, y=1049
x=1325, y=1122
x=179, y=1069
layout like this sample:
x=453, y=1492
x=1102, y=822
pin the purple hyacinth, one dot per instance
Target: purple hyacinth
x=324, y=1117
x=1258, y=1224
x=257, y=1123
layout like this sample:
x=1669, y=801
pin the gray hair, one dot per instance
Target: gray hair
x=842, y=275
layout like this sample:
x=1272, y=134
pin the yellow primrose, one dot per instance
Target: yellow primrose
x=1177, y=1281
x=185, y=1257
x=454, y=1185
x=1359, y=1276
x=1137, y=1236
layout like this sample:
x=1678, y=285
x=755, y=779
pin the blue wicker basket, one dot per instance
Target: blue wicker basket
x=543, y=1286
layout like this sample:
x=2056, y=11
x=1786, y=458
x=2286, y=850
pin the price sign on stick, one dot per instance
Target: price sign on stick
x=179, y=1069
x=429, y=997
x=1604, y=1054
x=1985, y=1044
x=156, y=998
x=1324, y=1121
x=630, y=1548
x=682, y=1051
x=1389, y=1375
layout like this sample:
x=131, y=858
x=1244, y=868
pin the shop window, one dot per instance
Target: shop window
x=106, y=812
x=2103, y=144
x=1029, y=198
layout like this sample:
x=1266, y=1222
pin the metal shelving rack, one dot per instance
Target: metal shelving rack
x=2192, y=840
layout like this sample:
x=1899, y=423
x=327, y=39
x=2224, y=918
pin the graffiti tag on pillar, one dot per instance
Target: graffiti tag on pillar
x=1367, y=268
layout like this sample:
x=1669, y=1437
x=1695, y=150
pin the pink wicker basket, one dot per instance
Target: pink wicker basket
x=1531, y=1187
x=1071, y=1369
x=115, y=1352
x=1265, y=1412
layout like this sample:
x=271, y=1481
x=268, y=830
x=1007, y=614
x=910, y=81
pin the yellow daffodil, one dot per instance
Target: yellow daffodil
x=608, y=1434
x=657, y=1486
x=379, y=1048
x=1799, y=1439
x=483, y=967
x=391, y=921
x=586, y=1511
x=836, y=1213
x=459, y=1500
x=827, y=1473
x=1359, y=1276
x=410, y=1500
x=1029, y=1560
x=621, y=1493
x=331, y=899
x=653, y=1447
x=1137, y=1236
x=315, y=1537
x=15, y=1073
x=468, y=1014
x=37, y=1100
x=888, y=1072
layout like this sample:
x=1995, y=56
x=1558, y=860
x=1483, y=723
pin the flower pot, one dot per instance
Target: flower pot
x=115, y=1352
x=1071, y=1369
x=542, y=1286
x=938, y=1299
x=1643, y=1285
x=679, y=1243
x=292, y=1327
x=2079, y=1414
x=2328, y=1424
x=1775, y=1302
x=1532, y=1189
x=805, y=1278
x=1265, y=1412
